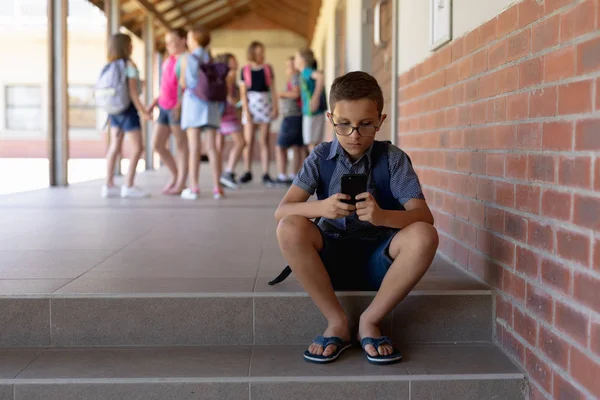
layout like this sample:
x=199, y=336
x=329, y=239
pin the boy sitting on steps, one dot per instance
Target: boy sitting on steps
x=385, y=243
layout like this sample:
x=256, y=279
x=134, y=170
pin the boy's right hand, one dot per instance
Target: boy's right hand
x=334, y=208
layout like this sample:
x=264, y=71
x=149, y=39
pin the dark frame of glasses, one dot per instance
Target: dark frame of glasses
x=354, y=128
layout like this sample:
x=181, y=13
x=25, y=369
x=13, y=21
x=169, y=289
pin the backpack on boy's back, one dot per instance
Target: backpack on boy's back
x=112, y=92
x=212, y=79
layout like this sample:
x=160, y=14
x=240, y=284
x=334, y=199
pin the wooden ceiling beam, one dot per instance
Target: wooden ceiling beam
x=199, y=8
x=182, y=4
x=132, y=16
x=145, y=4
x=294, y=6
x=265, y=10
x=223, y=19
x=203, y=16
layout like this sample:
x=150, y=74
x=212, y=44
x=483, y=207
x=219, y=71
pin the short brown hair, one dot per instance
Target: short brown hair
x=118, y=48
x=308, y=56
x=201, y=35
x=252, y=50
x=224, y=58
x=356, y=86
x=179, y=32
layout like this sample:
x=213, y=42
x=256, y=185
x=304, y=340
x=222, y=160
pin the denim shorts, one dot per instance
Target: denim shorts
x=290, y=133
x=357, y=263
x=167, y=117
x=127, y=121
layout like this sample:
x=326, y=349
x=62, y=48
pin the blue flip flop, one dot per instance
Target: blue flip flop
x=326, y=341
x=393, y=358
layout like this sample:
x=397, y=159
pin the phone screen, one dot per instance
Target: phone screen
x=353, y=185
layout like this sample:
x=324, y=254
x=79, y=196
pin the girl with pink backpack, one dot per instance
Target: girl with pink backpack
x=259, y=108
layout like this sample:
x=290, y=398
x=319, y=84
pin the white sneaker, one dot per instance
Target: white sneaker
x=109, y=192
x=189, y=194
x=133, y=192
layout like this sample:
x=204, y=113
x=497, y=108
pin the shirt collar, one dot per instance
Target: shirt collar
x=337, y=150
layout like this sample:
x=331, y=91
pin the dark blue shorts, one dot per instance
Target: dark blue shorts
x=357, y=263
x=167, y=117
x=290, y=133
x=127, y=121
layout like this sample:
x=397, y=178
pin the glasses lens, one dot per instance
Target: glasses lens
x=367, y=130
x=343, y=129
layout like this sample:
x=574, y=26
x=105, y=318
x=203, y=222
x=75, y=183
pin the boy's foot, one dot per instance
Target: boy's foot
x=342, y=331
x=379, y=349
x=246, y=178
x=190, y=194
x=109, y=192
x=228, y=180
x=267, y=181
x=133, y=192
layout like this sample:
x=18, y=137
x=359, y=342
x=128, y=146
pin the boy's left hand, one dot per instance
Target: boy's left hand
x=368, y=210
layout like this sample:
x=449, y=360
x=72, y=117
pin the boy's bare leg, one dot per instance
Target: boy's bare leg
x=300, y=242
x=416, y=245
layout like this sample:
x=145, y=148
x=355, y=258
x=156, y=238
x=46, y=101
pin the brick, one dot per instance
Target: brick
x=517, y=106
x=527, y=262
x=515, y=227
x=504, y=252
x=505, y=136
x=559, y=64
x=513, y=346
x=556, y=276
x=573, y=246
x=463, y=161
x=578, y=21
x=539, y=302
x=478, y=113
x=496, y=110
x=494, y=164
x=587, y=212
x=564, y=390
x=572, y=322
x=458, y=49
x=498, y=54
x=531, y=72
x=575, y=171
x=487, y=32
x=557, y=136
x=586, y=290
x=598, y=90
x=530, y=11
x=516, y=166
x=542, y=168
x=485, y=189
x=507, y=80
x=485, y=140
x=507, y=22
x=458, y=94
x=519, y=45
x=555, y=348
x=545, y=34
x=477, y=212
x=539, y=371
x=464, y=69
x=487, y=86
x=494, y=219
x=485, y=242
x=535, y=393
x=595, y=339
x=556, y=205
x=527, y=198
x=468, y=232
x=462, y=208
x=470, y=142
x=472, y=41
x=451, y=119
x=588, y=56
x=585, y=370
x=587, y=134
x=472, y=90
x=596, y=260
x=529, y=136
x=461, y=255
x=479, y=62
x=504, y=309
x=553, y=5
x=525, y=326
x=542, y=102
x=575, y=98
x=464, y=115
x=540, y=236
x=504, y=195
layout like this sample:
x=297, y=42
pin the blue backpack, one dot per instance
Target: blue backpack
x=381, y=177
x=111, y=91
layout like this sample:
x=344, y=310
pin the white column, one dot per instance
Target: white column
x=58, y=100
x=112, y=10
x=359, y=35
x=149, y=46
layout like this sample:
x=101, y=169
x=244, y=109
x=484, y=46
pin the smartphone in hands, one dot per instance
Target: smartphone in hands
x=353, y=185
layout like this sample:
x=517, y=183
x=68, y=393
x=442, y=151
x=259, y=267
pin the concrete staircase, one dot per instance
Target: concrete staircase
x=246, y=346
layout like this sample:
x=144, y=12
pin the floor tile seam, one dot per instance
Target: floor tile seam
x=269, y=379
x=42, y=351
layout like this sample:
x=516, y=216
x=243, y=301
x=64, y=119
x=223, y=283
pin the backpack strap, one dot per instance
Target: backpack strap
x=326, y=169
x=381, y=176
x=247, y=74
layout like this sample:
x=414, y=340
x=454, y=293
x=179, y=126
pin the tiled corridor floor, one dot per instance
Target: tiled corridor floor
x=71, y=241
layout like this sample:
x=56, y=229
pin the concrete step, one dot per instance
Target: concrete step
x=283, y=318
x=465, y=372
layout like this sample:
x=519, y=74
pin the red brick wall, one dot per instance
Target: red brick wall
x=503, y=126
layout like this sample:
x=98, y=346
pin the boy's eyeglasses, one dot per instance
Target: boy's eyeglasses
x=348, y=130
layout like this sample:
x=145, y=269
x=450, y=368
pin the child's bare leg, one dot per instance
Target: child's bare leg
x=181, y=144
x=249, y=149
x=214, y=156
x=298, y=160
x=159, y=145
x=235, y=153
x=265, y=151
x=195, y=146
x=136, y=153
x=282, y=160
x=300, y=242
x=417, y=244
x=116, y=143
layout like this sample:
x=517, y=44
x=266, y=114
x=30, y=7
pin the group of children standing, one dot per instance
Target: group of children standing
x=252, y=104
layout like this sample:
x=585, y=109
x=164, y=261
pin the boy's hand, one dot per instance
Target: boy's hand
x=368, y=210
x=334, y=208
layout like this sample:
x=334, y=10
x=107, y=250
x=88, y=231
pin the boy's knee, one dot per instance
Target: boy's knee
x=425, y=236
x=292, y=230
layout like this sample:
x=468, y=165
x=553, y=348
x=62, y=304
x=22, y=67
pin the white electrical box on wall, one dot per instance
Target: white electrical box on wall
x=440, y=23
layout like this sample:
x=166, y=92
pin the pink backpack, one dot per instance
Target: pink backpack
x=247, y=71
